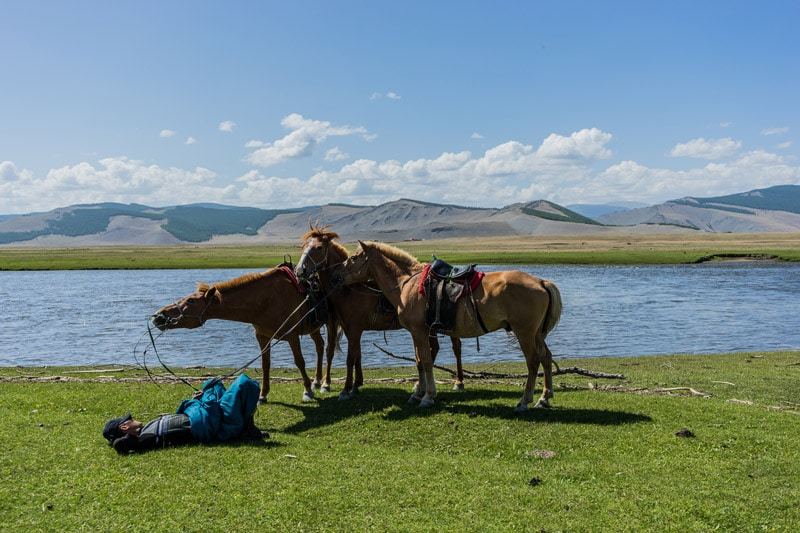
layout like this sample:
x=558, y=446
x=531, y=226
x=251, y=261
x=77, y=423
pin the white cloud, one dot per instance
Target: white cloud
x=774, y=131
x=391, y=95
x=725, y=124
x=334, y=154
x=227, y=126
x=191, y=140
x=706, y=148
x=305, y=134
x=166, y=134
x=254, y=143
x=785, y=145
x=562, y=168
x=589, y=143
x=476, y=135
x=113, y=179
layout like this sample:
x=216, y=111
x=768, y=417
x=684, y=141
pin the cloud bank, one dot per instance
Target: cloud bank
x=565, y=168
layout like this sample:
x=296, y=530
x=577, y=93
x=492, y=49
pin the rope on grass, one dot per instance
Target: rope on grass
x=497, y=375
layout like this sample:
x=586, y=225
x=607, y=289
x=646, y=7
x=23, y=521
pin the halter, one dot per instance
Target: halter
x=318, y=266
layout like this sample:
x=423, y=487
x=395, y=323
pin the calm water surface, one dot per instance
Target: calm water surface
x=95, y=317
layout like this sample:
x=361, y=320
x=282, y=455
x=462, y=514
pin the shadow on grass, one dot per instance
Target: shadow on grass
x=329, y=410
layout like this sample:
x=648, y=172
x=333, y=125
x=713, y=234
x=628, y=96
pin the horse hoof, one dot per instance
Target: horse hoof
x=413, y=399
x=316, y=385
x=425, y=403
x=355, y=391
x=344, y=396
x=458, y=387
x=308, y=396
x=542, y=404
x=262, y=400
x=521, y=408
x=326, y=388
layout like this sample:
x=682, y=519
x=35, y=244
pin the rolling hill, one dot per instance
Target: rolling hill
x=774, y=209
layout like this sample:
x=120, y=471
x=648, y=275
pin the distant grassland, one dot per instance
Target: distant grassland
x=619, y=249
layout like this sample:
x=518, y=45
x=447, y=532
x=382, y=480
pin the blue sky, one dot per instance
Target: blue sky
x=365, y=102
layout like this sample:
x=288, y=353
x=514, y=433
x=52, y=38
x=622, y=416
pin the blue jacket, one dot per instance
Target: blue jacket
x=219, y=414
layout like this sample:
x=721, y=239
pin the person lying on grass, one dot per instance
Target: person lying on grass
x=211, y=415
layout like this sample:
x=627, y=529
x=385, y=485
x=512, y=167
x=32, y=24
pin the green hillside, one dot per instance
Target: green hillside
x=778, y=198
x=567, y=215
x=190, y=223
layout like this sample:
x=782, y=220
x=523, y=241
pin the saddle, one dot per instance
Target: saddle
x=445, y=285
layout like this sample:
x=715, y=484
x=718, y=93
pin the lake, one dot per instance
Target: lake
x=96, y=317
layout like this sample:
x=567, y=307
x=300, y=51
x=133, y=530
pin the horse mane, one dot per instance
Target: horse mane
x=394, y=253
x=233, y=283
x=326, y=236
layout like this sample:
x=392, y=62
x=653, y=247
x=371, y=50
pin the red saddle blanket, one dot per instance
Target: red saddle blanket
x=293, y=278
x=474, y=281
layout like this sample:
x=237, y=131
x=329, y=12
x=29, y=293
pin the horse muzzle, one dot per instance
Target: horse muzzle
x=161, y=321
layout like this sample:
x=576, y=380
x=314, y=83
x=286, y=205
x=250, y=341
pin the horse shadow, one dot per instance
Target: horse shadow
x=329, y=411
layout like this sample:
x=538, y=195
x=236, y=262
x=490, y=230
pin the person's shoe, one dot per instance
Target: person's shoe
x=253, y=433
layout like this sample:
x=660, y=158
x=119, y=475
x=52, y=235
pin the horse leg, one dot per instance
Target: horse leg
x=459, y=384
x=263, y=342
x=528, y=345
x=347, y=392
x=422, y=345
x=419, y=387
x=359, y=381
x=294, y=344
x=547, y=363
x=329, y=350
x=319, y=345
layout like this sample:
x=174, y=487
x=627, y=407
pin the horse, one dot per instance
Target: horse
x=263, y=299
x=356, y=308
x=512, y=300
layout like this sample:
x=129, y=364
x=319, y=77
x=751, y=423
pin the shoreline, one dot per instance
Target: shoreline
x=617, y=249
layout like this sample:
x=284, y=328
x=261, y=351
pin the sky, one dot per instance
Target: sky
x=288, y=104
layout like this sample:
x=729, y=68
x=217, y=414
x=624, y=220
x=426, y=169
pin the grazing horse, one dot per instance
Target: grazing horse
x=355, y=308
x=511, y=300
x=263, y=299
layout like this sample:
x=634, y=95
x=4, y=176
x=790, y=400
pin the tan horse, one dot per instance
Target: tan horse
x=511, y=300
x=355, y=309
x=263, y=299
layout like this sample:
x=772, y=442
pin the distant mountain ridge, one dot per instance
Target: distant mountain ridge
x=774, y=209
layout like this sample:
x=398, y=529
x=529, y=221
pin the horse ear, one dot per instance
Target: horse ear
x=362, y=244
x=211, y=292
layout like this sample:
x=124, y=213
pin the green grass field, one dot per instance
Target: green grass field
x=467, y=464
x=614, y=249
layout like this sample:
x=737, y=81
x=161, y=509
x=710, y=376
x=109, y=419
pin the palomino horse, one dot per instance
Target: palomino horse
x=512, y=300
x=263, y=299
x=356, y=308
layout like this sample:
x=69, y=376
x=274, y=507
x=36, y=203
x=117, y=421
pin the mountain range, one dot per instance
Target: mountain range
x=772, y=209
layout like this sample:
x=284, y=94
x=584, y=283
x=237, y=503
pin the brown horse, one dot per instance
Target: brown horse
x=263, y=299
x=355, y=308
x=512, y=300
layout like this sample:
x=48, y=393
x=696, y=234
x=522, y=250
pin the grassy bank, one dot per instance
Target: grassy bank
x=618, y=249
x=468, y=463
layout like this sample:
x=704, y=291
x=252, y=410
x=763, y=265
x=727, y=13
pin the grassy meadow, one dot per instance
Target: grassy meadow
x=619, y=248
x=606, y=457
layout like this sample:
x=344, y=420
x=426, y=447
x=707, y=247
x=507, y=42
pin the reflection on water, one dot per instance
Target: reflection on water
x=95, y=317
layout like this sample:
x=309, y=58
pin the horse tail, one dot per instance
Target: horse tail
x=553, y=308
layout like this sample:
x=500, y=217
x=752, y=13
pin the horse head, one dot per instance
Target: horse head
x=320, y=252
x=189, y=312
x=355, y=269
